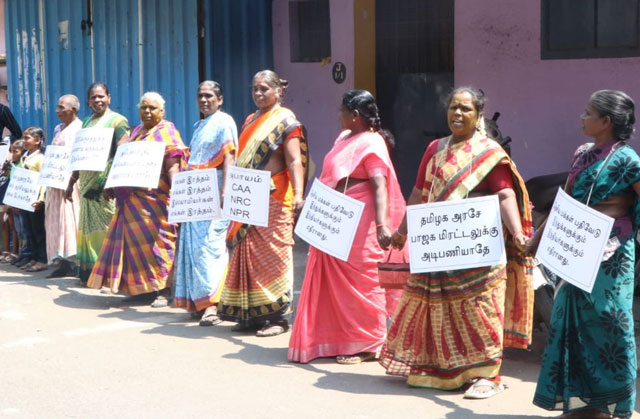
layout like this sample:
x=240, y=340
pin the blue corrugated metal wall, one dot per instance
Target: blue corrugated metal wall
x=238, y=43
x=160, y=55
x=167, y=42
x=23, y=41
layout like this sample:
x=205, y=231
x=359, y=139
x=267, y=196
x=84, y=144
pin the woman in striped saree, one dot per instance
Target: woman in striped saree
x=450, y=327
x=258, y=291
x=95, y=210
x=138, y=252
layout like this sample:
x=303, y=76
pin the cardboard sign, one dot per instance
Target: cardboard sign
x=137, y=164
x=329, y=220
x=23, y=189
x=574, y=241
x=455, y=235
x=55, y=167
x=4, y=153
x=194, y=196
x=246, y=196
x=91, y=149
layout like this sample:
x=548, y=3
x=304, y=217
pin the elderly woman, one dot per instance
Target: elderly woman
x=201, y=266
x=95, y=210
x=62, y=216
x=589, y=364
x=138, y=252
x=258, y=291
x=450, y=326
x=342, y=309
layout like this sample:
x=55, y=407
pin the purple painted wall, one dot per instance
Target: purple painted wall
x=312, y=93
x=497, y=48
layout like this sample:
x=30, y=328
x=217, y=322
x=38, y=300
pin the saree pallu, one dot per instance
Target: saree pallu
x=62, y=216
x=138, y=252
x=95, y=211
x=201, y=264
x=342, y=310
x=589, y=360
x=451, y=326
x=259, y=284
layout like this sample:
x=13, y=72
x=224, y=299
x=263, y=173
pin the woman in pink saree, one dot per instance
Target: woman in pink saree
x=342, y=309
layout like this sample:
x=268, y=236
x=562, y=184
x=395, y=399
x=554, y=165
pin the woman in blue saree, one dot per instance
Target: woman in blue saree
x=589, y=364
x=202, y=261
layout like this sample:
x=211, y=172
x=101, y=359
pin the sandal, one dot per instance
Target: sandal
x=27, y=265
x=210, y=319
x=355, y=359
x=272, y=329
x=474, y=392
x=37, y=267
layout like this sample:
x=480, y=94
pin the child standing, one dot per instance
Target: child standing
x=34, y=221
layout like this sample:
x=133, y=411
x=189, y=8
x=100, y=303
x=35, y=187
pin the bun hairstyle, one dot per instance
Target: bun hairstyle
x=273, y=80
x=478, y=97
x=364, y=102
x=620, y=108
x=213, y=85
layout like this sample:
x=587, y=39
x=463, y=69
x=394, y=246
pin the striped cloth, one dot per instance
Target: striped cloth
x=137, y=254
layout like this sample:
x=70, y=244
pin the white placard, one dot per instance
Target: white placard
x=455, y=235
x=194, y=196
x=55, y=167
x=137, y=164
x=574, y=241
x=23, y=189
x=246, y=196
x=329, y=220
x=4, y=153
x=91, y=149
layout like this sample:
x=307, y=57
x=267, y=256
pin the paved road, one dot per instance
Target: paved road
x=67, y=351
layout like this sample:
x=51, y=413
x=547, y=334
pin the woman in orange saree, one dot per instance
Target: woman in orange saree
x=258, y=291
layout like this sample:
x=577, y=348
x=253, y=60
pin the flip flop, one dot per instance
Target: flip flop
x=272, y=329
x=210, y=319
x=474, y=392
x=355, y=359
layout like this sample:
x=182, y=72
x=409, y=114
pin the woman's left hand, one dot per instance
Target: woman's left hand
x=297, y=204
x=37, y=205
x=520, y=240
x=384, y=236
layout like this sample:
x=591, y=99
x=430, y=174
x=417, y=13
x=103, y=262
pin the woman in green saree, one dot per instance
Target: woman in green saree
x=95, y=210
x=589, y=364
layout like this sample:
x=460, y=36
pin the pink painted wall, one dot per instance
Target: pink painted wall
x=312, y=93
x=497, y=48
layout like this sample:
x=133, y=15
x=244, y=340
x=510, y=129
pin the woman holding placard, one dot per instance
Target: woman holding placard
x=138, y=252
x=258, y=291
x=201, y=264
x=589, y=363
x=61, y=216
x=95, y=209
x=450, y=326
x=342, y=309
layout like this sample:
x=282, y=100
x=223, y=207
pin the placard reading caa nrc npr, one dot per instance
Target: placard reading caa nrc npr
x=23, y=189
x=194, y=196
x=329, y=220
x=246, y=196
x=137, y=164
x=55, y=167
x=455, y=235
x=91, y=149
x=574, y=241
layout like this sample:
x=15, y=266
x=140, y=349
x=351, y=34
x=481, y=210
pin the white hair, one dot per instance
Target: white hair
x=72, y=100
x=154, y=96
